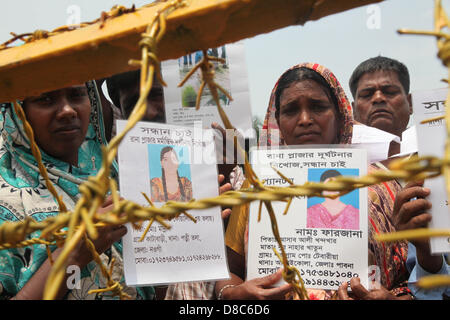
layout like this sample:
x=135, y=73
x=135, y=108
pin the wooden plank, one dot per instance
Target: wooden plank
x=92, y=52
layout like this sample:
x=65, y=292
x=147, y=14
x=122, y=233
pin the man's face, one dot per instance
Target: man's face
x=155, y=102
x=381, y=102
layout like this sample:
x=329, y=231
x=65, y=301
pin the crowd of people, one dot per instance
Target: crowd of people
x=307, y=106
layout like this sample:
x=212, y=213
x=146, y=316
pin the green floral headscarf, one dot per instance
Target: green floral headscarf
x=23, y=193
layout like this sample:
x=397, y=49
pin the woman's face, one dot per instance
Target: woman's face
x=329, y=193
x=169, y=161
x=307, y=115
x=60, y=120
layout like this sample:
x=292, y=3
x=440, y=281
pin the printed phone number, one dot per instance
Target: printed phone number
x=322, y=282
x=171, y=259
x=328, y=273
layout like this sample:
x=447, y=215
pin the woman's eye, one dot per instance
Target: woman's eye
x=43, y=100
x=288, y=110
x=320, y=107
x=78, y=93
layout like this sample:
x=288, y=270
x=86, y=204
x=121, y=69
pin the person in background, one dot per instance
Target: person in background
x=410, y=212
x=124, y=91
x=380, y=90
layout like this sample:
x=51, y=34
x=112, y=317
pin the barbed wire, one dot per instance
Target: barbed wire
x=83, y=221
x=115, y=11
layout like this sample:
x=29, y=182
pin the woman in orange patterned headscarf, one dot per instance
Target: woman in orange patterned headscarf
x=309, y=106
x=271, y=134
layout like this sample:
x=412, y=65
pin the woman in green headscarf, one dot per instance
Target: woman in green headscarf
x=69, y=130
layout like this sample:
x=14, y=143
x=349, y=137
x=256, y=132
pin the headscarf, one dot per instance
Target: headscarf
x=22, y=188
x=23, y=193
x=271, y=134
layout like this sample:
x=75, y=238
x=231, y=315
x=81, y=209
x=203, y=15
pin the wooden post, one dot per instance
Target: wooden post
x=73, y=57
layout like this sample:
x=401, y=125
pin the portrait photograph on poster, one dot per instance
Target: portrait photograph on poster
x=170, y=173
x=338, y=213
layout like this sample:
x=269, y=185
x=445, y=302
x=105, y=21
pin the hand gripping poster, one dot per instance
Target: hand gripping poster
x=325, y=238
x=431, y=138
x=171, y=163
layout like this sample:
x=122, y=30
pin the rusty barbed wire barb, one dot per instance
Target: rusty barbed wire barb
x=434, y=281
x=207, y=74
x=113, y=286
x=28, y=37
x=416, y=234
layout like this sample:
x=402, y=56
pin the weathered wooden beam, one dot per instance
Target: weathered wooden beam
x=92, y=52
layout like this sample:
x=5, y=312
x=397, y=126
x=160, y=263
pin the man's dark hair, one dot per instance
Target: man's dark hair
x=130, y=81
x=122, y=80
x=376, y=64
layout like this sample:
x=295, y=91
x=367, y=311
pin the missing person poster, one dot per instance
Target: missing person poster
x=325, y=239
x=431, y=138
x=230, y=74
x=171, y=163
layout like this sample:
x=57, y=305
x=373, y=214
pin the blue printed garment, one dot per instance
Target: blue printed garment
x=23, y=194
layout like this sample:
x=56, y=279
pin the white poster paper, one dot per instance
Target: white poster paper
x=327, y=241
x=231, y=75
x=366, y=134
x=171, y=163
x=431, y=142
x=409, y=141
x=376, y=141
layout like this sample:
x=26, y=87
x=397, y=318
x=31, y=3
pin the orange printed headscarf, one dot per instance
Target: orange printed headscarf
x=271, y=134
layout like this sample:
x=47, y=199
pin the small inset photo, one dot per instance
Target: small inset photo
x=338, y=213
x=170, y=173
x=191, y=88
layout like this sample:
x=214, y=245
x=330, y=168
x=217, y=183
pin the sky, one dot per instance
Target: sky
x=339, y=42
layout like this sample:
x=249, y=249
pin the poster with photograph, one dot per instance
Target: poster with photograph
x=325, y=239
x=230, y=74
x=431, y=138
x=171, y=163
